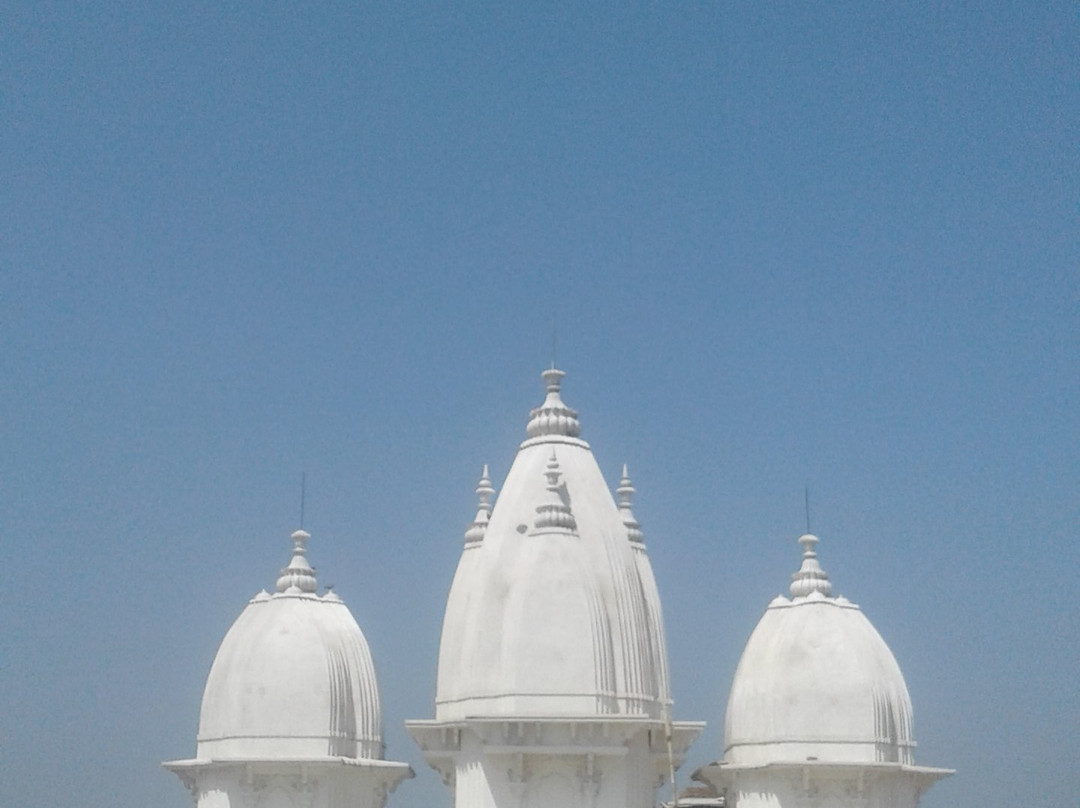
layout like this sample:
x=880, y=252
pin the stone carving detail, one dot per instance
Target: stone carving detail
x=251, y=789
x=447, y=772
x=554, y=515
x=626, y=496
x=518, y=772
x=553, y=417
x=589, y=776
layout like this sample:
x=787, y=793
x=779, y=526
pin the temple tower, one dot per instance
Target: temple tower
x=552, y=684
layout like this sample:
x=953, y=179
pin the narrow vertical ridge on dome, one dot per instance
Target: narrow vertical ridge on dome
x=811, y=577
x=343, y=729
x=657, y=637
x=299, y=575
x=645, y=623
x=484, y=492
x=634, y=654
x=603, y=656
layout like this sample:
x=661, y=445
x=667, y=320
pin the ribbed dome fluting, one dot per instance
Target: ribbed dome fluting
x=816, y=681
x=293, y=677
x=548, y=614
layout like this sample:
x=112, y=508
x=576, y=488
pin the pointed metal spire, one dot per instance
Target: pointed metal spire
x=554, y=516
x=811, y=577
x=299, y=576
x=626, y=494
x=484, y=493
x=553, y=417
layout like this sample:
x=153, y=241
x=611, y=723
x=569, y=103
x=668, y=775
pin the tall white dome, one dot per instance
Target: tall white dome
x=552, y=686
x=548, y=614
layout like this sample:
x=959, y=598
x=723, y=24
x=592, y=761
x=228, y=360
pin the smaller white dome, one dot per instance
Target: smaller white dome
x=293, y=678
x=817, y=682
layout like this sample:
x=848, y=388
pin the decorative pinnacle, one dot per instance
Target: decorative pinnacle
x=553, y=417
x=554, y=516
x=626, y=493
x=299, y=576
x=810, y=577
x=484, y=492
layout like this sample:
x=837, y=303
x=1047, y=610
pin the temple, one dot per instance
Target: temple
x=552, y=683
x=553, y=687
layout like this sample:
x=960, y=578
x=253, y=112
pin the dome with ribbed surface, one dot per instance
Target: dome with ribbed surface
x=817, y=682
x=648, y=582
x=548, y=615
x=293, y=678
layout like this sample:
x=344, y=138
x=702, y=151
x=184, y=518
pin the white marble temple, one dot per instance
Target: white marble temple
x=552, y=683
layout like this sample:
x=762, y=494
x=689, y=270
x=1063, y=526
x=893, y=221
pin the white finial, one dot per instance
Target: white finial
x=554, y=516
x=810, y=577
x=626, y=494
x=299, y=576
x=553, y=417
x=484, y=492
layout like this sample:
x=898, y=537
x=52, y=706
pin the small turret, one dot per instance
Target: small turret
x=626, y=494
x=484, y=492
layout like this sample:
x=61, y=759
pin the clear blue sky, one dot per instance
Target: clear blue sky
x=786, y=245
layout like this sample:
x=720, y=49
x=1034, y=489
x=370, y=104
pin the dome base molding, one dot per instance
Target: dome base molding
x=527, y=761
